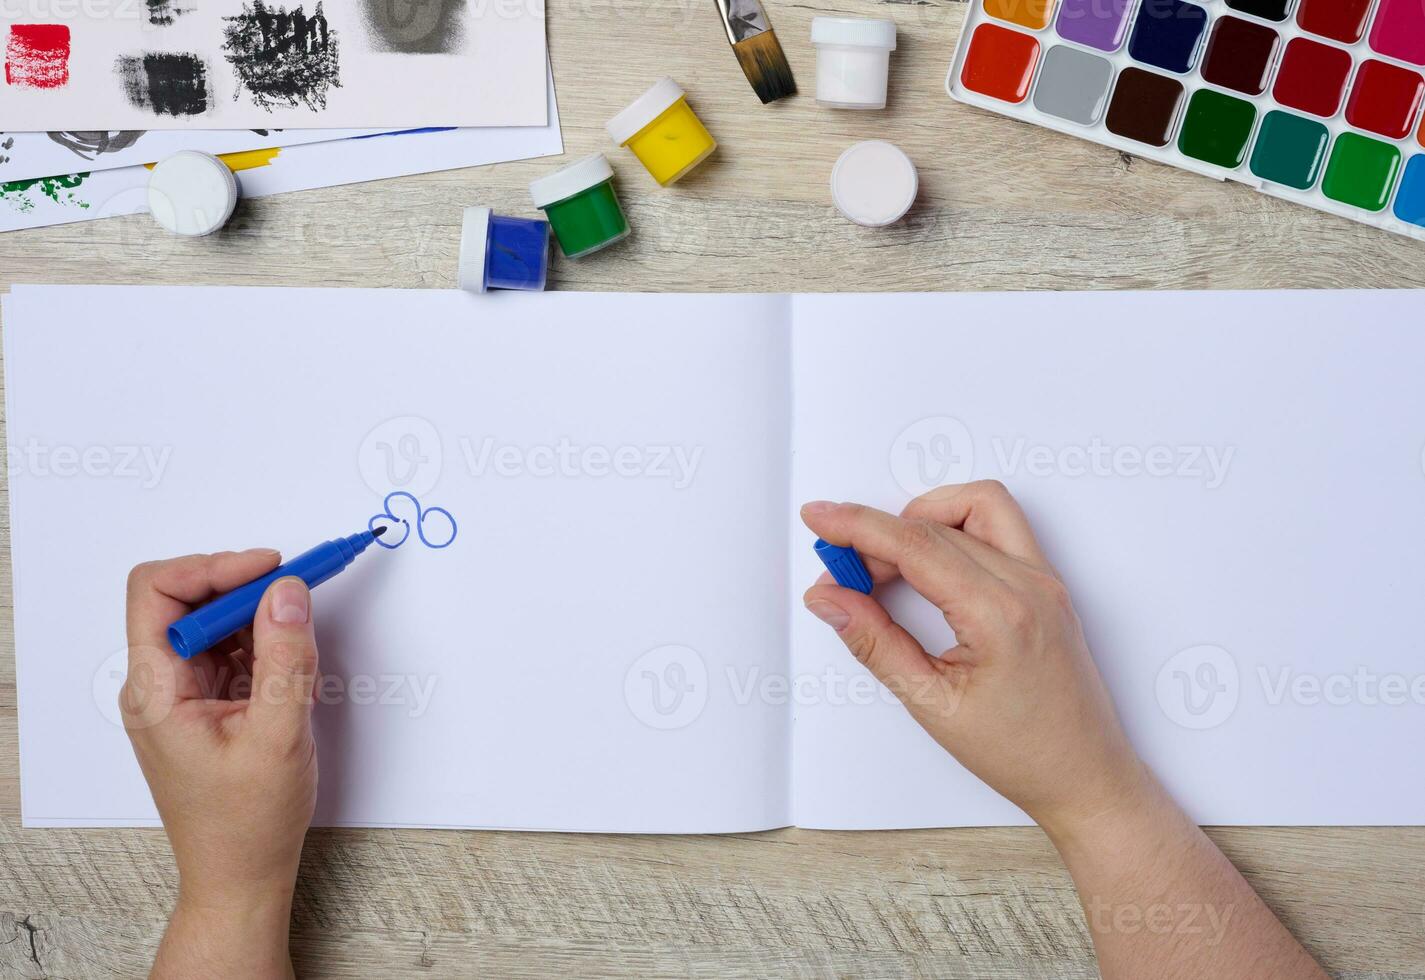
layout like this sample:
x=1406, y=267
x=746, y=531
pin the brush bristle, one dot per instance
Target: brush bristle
x=766, y=66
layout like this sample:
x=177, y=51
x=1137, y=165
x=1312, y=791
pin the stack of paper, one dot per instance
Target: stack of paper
x=91, y=100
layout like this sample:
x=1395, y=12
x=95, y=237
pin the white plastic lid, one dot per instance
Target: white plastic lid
x=643, y=110
x=874, y=183
x=578, y=176
x=192, y=193
x=863, y=32
x=474, y=241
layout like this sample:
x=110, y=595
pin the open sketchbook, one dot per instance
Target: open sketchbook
x=597, y=625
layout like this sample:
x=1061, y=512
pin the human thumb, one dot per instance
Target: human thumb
x=284, y=660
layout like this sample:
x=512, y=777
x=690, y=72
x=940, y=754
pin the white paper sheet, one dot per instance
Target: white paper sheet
x=246, y=64
x=547, y=630
x=85, y=197
x=27, y=155
x=1234, y=472
x=1231, y=484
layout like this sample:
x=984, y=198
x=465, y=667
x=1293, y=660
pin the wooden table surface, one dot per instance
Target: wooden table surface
x=1002, y=206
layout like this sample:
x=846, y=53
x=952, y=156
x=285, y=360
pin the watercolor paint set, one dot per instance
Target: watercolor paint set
x=1312, y=101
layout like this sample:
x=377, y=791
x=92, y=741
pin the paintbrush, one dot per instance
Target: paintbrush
x=757, y=48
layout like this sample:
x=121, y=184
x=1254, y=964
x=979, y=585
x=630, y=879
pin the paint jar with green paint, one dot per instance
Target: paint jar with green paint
x=581, y=205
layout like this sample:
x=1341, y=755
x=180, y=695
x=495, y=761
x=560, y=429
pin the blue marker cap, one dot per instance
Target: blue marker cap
x=845, y=566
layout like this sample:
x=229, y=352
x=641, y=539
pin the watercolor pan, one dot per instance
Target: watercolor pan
x=1318, y=102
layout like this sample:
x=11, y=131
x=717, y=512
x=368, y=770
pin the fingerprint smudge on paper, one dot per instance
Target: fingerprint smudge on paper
x=167, y=83
x=416, y=26
x=37, y=56
x=95, y=143
x=283, y=58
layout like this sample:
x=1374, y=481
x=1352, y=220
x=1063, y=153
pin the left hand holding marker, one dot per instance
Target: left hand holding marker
x=225, y=743
x=1019, y=700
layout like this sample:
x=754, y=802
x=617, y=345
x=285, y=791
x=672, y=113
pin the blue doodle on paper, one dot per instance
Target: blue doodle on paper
x=434, y=526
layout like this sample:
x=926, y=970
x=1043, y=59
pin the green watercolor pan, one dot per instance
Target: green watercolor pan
x=1313, y=101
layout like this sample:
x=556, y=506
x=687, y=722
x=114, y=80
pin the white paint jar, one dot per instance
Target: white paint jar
x=853, y=60
x=874, y=183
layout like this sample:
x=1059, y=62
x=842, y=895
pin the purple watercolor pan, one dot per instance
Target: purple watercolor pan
x=1097, y=24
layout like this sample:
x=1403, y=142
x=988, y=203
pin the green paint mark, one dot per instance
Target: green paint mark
x=60, y=190
x=1362, y=172
x=1216, y=128
x=1290, y=150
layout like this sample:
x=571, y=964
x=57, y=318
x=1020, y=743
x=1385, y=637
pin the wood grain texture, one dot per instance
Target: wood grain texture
x=1003, y=206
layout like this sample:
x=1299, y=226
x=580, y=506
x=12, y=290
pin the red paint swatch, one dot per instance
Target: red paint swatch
x=1000, y=63
x=1340, y=20
x=1385, y=99
x=1312, y=77
x=37, y=56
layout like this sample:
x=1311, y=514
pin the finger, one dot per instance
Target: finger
x=930, y=562
x=241, y=650
x=161, y=592
x=984, y=510
x=284, y=662
x=890, y=653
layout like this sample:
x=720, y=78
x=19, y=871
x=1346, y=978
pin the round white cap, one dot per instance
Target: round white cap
x=568, y=181
x=474, y=240
x=192, y=193
x=874, y=183
x=865, y=32
x=643, y=110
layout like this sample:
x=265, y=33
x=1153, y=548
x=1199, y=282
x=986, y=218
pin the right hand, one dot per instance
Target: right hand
x=1019, y=700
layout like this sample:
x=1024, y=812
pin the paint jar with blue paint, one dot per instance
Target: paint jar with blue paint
x=499, y=252
x=581, y=205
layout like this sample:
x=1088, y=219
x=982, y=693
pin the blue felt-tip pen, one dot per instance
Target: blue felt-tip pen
x=208, y=625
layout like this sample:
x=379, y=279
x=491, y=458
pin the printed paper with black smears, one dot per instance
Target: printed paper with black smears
x=268, y=64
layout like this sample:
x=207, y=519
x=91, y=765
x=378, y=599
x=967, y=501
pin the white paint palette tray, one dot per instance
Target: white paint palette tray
x=1314, y=101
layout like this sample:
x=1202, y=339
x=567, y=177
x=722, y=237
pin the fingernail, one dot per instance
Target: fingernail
x=817, y=507
x=291, y=602
x=829, y=613
x=263, y=552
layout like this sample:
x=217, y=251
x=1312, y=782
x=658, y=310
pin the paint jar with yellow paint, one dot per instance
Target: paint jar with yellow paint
x=663, y=132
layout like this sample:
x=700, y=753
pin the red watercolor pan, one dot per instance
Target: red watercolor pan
x=1385, y=99
x=1312, y=77
x=1339, y=20
x=1000, y=63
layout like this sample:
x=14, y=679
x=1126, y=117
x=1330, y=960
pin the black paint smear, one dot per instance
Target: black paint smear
x=171, y=84
x=161, y=13
x=416, y=26
x=281, y=58
x=89, y=144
